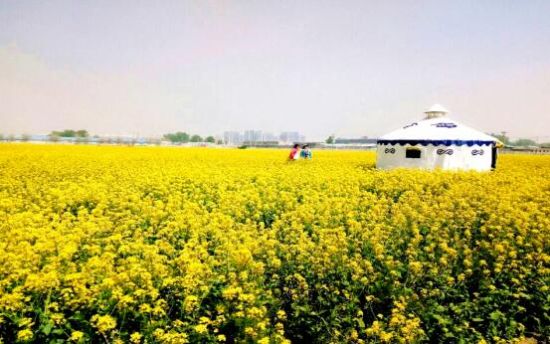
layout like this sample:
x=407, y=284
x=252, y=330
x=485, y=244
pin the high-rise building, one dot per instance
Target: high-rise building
x=232, y=138
x=269, y=137
x=291, y=137
x=253, y=135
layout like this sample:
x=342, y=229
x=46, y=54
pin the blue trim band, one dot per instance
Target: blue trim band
x=436, y=142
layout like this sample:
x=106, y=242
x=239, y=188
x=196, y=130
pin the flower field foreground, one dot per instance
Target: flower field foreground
x=168, y=245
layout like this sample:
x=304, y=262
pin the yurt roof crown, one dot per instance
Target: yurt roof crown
x=436, y=111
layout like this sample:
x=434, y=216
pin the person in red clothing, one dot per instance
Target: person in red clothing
x=294, y=152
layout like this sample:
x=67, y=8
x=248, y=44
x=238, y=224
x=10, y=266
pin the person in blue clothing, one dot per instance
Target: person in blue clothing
x=305, y=153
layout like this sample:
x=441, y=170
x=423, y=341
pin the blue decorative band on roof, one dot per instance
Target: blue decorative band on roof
x=444, y=125
x=437, y=142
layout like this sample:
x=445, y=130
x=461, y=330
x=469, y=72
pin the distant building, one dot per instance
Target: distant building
x=253, y=135
x=232, y=138
x=269, y=137
x=291, y=136
x=250, y=137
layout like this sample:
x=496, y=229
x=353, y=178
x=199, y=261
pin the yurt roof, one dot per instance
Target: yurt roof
x=437, y=131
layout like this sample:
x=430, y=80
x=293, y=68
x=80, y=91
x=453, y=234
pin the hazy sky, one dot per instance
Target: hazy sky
x=352, y=68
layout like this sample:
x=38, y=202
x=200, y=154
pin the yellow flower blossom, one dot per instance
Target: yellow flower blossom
x=103, y=323
x=135, y=337
x=76, y=336
x=201, y=328
x=24, y=335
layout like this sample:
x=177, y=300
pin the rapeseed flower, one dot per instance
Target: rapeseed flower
x=136, y=244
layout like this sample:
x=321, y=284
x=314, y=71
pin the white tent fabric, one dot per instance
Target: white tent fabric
x=436, y=142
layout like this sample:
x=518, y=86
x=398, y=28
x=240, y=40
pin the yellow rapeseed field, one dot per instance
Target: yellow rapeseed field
x=175, y=245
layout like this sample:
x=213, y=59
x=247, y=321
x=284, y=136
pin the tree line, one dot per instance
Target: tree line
x=183, y=137
x=519, y=142
x=70, y=133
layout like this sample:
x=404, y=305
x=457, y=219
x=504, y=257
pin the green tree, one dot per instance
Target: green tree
x=524, y=142
x=196, y=138
x=82, y=133
x=330, y=139
x=64, y=133
x=53, y=138
x=68, y=133
x=502, y=137
x=178, y=137
x=169, y=137
x=210, y=139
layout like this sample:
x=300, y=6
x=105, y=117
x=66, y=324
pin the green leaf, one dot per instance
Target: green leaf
x=58, y=331
x=47, y=328
x=495, y=315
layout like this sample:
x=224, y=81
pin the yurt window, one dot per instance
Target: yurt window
x=412, y=153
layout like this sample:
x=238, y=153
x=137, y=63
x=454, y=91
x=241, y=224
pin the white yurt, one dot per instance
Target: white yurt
x=437, y=142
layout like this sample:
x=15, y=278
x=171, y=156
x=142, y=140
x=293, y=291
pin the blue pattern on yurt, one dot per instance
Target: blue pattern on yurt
x=410, y=125
x=477, y=152
x=445, y=151
x=444, y=125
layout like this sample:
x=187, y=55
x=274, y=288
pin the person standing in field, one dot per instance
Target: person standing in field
x=305, y=152
x=294, y=152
